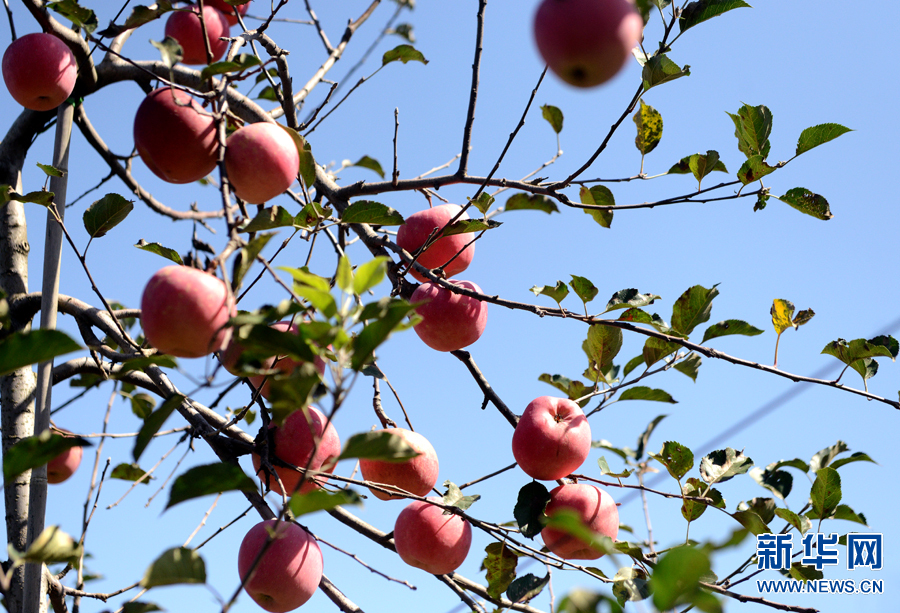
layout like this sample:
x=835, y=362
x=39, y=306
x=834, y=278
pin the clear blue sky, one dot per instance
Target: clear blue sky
x=809, y=63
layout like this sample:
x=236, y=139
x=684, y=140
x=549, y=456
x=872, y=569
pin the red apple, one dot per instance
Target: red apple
x=229, y=359
x=184, y=311
x=419, y=226
x=175, y=137
x=416, y=475
x=426, y=538
x=289, y=571
x=262, y=161
x=449, y=321
x=184, y=26
x=597, y=510
x=294, y=444
x=39, y=71
x=587, y=42
x=228, y=9
x=64, y=465
x=552, y=438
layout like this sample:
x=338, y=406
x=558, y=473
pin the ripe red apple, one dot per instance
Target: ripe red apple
x=184, y=26
x=428, y=539
x=184, y=311
x=262, y=161
x=228, y=9
x=586, y=42
x=449, y=321
x=64, y=465
x=552, y=438
x=175, y=137
x=233, y=351
x=289, y=571
x=419, y=226
x=39, y=71
x=294, y=443
x=598, y=511
x=417, y=475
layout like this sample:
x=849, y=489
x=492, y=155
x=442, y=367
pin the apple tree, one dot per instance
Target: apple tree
x=339, y=363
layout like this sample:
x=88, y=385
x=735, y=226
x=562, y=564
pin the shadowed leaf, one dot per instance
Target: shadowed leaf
x=22, y=349
x=729, y=327
x=209, y=479
x=175, y=566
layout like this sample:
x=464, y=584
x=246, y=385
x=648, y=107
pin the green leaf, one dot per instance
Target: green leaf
x=247, y=256
x=645, y=436
x=22, y=349
x=605, y=470
x=701, y=165
x=269, y=218
x=320, y=500
x=554, y=117
x=153, y=423
x=139, y=607
x=530, y=202
x=35, y=451
x=43, y=198
x=779, y=482
x=729, y=327
x=764, y=507
x=812, y=137
x=855, y=351
x=800, y=522
x=701, y=10
x=242, y=61
x=630, y=585
x=455, y=497
x=649, y=124
x=142, y=405
x=169, y=254
x=403, y=53
x=599, y=195
x=373, y=213
x=805, y=573
x=53, y=545
x=384, y=446
x=808, y=203
x=483, y=202
x=175, y=566
x=660, y=69
x=558, y=292
x=530, y=505
x=656, y=349
x=344, y=275
x=677, y=459
x=762, y=198
x=824, y=457
x=307, y=162
x=693, y=509
x=693, y=308
x=752, y=127
x=51, y=171
x=139, y=16
x=500, y=563
x=723, y=464
x=629, y=298
x=130, y=472
x=676, y=577
x=404, y=30
x=80, y=16
x=632, y=364
x=525, y=588
x=641, y=392
x=209, y=479
x=583, y=287
x=754, y=169
x=377, y=331
x=370, y=274
x=169, y=51
x=683, y=166
x=690, y=366
x=752, y=522
x=602, y=346
x=572, y=389
x=370, y=163
x=826, y=491
x=859, y=456
x=466, y=226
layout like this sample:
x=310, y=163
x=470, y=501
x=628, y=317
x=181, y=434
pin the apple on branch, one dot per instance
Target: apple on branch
x=289, y=571
x=184, y=312
x=65, y=464
x=587, y=42
x=416, y=475
x=420, y=226
x=426, y=538
x=184, y=26
x=175, y=137
x=552, y=438
x=228, y=9
x=596, y=509
x=294, y=443
x=261, y=160
x=450, y=321
x=39, y=71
